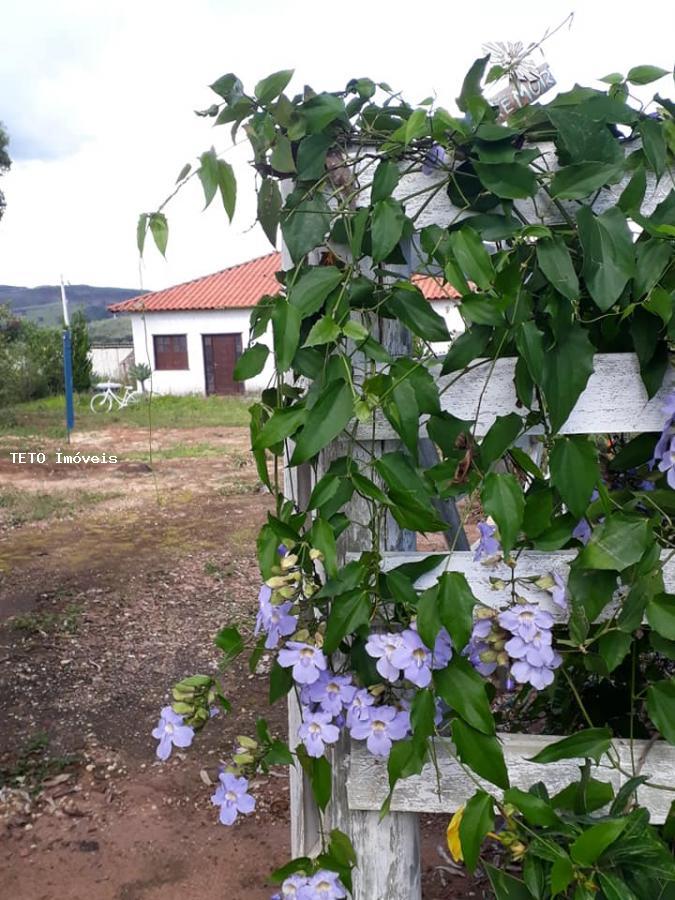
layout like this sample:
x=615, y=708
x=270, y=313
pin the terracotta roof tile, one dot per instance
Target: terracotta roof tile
x=241, y=287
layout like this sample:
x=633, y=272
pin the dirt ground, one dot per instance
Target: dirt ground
x=101, y=611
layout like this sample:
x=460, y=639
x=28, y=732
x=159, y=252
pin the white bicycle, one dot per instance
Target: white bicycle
x=109, y=394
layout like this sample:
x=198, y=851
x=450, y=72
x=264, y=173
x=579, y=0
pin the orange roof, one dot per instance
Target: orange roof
x=434, y=288
x=241, y=287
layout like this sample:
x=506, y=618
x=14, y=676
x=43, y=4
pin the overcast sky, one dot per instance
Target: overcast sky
x=98, y=99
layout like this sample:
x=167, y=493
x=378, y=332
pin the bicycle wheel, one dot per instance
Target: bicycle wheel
x=100, y=403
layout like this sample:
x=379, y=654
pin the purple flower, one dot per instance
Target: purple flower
x=488, y=544
x=358, y=708
x=435, y=158
x=332, y=692
x=481, y=656
x=414, y=658
x=308, y=662
x=381, y=647
x=663, y=451
x=383, y=725
x=525, y=621
x=539, y=677
x=537, y=652
x=316, y=731
x=232, y=797
x=292, y=888
x=325, y=885
x=275, y=620
x=582, y=531
x=559, y=591
x=442, y=650
x=171, y=731
x=666, y=459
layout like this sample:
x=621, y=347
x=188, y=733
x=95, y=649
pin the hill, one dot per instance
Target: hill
x=43, y=304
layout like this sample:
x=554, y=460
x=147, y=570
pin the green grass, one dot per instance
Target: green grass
x=20, y=507
x=180, y=450
x=45, y=418
x=66, y=622
x=34, y=764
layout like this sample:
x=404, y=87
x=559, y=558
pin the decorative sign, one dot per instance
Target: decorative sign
x=523, y=92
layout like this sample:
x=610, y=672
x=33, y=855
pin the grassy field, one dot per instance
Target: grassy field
x=21, y=507
x=45, y=418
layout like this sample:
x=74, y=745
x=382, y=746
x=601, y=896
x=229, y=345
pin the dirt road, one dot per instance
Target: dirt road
x=114, y=580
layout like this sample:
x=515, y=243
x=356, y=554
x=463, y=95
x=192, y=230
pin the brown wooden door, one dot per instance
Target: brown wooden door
x=221, y=351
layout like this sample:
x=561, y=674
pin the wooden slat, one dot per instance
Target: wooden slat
x=368, y=784
x=529, y=563
x=614, y=400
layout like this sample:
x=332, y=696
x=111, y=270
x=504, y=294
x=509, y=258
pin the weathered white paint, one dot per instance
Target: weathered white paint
x=194, y=324
x=529, y=564
x=113, y=362
x=614, y=400
x=430, y=204
x=444, y=791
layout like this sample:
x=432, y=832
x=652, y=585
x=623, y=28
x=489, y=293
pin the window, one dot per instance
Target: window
x=171, y=351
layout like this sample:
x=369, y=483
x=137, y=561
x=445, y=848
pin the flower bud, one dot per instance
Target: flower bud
x=289, y=561
x=276, y=581
x=245, y=741
x=546, y=582
x=485, y=612
x=243, y=759
x=315, y=554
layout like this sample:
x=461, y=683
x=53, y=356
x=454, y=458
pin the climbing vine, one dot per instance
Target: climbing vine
x=555, y=232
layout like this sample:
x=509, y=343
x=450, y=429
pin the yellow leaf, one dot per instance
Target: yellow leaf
x=454, y=843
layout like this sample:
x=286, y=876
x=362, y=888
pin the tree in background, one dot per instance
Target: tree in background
x=81, y=347
x=5, y=162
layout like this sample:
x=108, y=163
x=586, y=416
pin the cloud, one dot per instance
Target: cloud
x=46, y=53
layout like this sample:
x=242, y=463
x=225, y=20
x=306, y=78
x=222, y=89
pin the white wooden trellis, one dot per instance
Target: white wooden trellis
x=388, y=851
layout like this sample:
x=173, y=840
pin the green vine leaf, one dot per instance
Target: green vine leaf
x=481, y=752
x=556, y=263
x=502, y=498
x=304, y=226
x=609, y=254
x=269, y=88
x=567, y=367
x=574, y=471
x=463, y=689
x=269, y=208
x=590, y=743
x=661, y=707
x=388, y=220
x=477, y=821
x=619, y=542
x=326, y=419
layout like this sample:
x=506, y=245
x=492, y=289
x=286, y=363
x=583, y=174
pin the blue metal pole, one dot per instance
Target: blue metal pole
x=68, y=379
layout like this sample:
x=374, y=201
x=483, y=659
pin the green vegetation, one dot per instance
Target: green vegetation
x=180, y=450
x=35, y=764
x=110, y=330
x=31, y=358
x=45, y=418
x=65, y=621
x=20, y=507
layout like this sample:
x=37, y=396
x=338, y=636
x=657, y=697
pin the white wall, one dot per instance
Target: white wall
x=113, y=362
x=194, y=324
x=448, y=309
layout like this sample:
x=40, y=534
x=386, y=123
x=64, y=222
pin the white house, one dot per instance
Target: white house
x=192, y=334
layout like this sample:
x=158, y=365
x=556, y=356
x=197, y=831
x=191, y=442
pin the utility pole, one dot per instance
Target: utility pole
x=67, y=363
